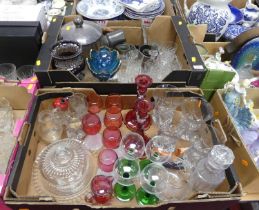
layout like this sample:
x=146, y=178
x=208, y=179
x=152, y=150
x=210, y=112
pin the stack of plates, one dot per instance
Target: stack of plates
x=138, y=9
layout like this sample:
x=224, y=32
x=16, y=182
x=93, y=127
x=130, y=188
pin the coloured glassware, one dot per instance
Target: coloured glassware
x=106, y=160
x=94, y=103
x=111, y=137
x=126, y=173
x=132, y=146
x=91, y=124
x=101, y=187
x=153, y=180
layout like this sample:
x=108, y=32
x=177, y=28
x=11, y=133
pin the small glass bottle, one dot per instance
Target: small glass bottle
x=210, y=171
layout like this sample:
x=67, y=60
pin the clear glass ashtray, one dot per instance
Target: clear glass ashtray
x=63, y=168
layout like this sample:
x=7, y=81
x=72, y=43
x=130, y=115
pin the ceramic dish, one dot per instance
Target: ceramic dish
x=133, y=15
x=100, y=10
x=138, y=5
x=104, y=63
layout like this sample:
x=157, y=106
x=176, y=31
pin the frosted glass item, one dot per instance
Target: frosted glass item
x=210, y=171
x=50, y=129
x=132, y=146
x=93, y=142
x=159, y=149
x=64, y=167
x=78, y=104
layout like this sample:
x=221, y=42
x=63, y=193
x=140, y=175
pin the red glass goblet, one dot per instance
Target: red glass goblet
x=94, y=103
x=114, y=120
x=113, y=104
x=91, y=124
x=106, y=160
x=111, y=137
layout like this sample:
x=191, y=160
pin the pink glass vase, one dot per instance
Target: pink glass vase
x=91, y=124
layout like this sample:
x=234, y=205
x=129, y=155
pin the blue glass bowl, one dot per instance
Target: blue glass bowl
x=104, y=63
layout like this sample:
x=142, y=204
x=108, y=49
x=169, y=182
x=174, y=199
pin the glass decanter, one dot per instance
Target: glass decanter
x=153, y=180
x=210, y=171
x=138, y=119
x=126, y=172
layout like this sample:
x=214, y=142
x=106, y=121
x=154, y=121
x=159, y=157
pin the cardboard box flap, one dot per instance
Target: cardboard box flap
x=11, y=93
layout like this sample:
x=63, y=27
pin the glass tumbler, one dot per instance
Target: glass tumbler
x=6, y=116
x=50, y=128
x=106, y=160
x=8, y=71
x=91, y=124
x=94, y=103
x=24, y=72
x=111, y=137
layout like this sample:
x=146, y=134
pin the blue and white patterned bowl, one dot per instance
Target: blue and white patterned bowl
x=104, y=63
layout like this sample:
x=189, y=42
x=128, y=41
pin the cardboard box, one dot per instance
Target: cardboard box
x=20, y=106
x=244, y=165
x=175, y=33
x=22, y=194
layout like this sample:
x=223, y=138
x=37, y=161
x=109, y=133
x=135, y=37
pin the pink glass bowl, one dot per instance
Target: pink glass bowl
x=91, y=124
x=111, y=137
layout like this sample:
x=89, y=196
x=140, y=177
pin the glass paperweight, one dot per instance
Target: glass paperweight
x=126, y=172
x=101, y=187
x=65, y=169
x=159, y=149
x=153, y=180
x=132, y=146
x=210, y=171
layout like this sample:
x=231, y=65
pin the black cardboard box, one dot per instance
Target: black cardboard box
x=164, y=29
x=20, y=42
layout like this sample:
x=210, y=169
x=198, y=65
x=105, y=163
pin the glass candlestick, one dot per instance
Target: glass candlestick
x=138, y=119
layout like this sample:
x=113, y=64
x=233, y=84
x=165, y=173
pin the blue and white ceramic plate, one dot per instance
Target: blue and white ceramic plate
x=151, y=15
x=100, y=9
x=236, y=15
x=138, y=5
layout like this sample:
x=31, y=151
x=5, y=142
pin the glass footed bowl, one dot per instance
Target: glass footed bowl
x=64, y=167
x=104, y=63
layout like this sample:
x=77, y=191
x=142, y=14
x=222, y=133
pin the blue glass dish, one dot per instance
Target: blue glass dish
x=104, y=63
